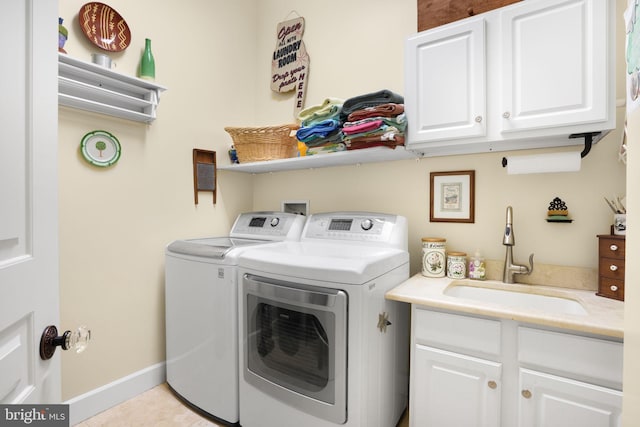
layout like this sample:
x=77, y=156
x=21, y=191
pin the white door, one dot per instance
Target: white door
x=452, y=389
x=555, y=62
x=445, y=82
x=551, y=401
x=28, y=199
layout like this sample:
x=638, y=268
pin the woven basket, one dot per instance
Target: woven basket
x=264, y=143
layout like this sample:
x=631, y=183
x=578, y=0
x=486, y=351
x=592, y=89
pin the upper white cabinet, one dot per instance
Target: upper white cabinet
x=555, y=64
x=90, y=87
x=447, y=64
x=524, y=76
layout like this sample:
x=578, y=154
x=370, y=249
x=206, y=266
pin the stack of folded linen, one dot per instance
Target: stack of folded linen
x=320, y=127
x=373, y=120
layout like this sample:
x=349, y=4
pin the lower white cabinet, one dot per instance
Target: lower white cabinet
x=454, y=389
x=548, y=400
x=478, y=371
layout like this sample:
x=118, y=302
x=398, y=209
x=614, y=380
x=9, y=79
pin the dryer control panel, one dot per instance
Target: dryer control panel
x=365, y=227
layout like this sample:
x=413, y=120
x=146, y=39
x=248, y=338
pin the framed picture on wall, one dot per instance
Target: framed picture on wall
x=452, y=196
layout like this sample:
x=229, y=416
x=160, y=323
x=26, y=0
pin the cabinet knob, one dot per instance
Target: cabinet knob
x=613, y=267
x=492, y=384
x=478, y=119
x=526, y=394
x=470, y=11
x=506, y=114
x=613, y=247
x=613, y=288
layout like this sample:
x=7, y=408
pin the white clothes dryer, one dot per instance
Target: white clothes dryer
x=320, y=346
x=201, y=310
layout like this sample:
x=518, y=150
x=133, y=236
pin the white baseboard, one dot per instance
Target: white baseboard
x=114, y=393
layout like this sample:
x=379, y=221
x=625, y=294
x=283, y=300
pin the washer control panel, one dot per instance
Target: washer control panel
x=268, y=225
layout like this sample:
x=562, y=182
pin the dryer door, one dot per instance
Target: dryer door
x=296, y=339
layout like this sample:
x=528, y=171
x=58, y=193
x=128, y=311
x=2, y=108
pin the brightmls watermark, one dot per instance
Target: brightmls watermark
x=34, y=415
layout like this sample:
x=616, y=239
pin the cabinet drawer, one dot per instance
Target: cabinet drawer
x=583, y=358
x=611, y=288
x=461, y=333
x=611, y=247
x=612, y=268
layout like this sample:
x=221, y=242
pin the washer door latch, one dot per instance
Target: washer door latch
x=383, y=321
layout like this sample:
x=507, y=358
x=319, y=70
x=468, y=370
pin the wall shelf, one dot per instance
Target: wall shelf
x=341, y=158
x=87, y=86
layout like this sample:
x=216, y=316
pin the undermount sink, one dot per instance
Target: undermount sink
x=519, y=297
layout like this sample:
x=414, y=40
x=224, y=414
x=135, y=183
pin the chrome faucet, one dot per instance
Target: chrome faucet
x=509, y=241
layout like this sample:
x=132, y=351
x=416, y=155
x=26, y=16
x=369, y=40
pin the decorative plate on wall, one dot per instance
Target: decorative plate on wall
x=100, y=148
x=104, y=27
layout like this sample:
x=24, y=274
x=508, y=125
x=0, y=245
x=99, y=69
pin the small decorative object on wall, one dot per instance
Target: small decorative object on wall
x=104, y=27
x=452, y=196
x=63, y=35
x=100, y=148
x=290, y=62
x=204, y=172
x=557, y=211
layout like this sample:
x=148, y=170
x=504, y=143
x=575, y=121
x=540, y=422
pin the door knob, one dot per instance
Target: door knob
x=77, y=340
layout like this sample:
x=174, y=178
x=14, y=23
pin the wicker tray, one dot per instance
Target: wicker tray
x=264, y=143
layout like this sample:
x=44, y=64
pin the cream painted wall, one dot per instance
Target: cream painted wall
x=115, y=222
x=631, y=409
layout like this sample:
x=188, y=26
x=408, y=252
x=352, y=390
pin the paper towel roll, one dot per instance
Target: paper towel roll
x=544, y=163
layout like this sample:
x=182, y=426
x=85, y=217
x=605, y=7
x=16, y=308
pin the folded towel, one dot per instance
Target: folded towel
x=382, y=110
x=328, y=106
x=361, y=127
x=399, y=122
x=370, y=100
x=319, y=130
x=333, y=137
x=332, y=113
x=389, y=139
x=326, y=148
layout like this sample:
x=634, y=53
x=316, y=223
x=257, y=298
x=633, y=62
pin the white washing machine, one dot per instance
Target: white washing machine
x=201, y=310
x=319, y=344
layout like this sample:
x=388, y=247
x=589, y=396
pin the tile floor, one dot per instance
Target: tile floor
x=157, y=407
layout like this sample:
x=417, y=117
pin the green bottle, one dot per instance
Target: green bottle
x=147, y=63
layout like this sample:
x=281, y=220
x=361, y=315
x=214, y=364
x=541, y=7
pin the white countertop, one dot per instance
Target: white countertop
x=604, y=316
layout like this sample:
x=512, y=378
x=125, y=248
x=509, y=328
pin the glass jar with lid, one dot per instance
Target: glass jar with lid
x=457, y=265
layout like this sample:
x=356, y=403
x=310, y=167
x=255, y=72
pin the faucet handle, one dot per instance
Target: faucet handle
x=530, y=265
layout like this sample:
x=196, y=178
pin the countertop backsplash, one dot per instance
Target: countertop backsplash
x=550, y=275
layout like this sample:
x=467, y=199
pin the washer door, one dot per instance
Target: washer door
x=296, y=339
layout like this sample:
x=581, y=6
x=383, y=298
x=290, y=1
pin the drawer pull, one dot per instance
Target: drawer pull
x=613, y=288
x=492, y=384
x=613, y=247
x=613, y=267
x=526, y=394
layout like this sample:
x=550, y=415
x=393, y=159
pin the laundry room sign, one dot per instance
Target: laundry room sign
x=290, y=62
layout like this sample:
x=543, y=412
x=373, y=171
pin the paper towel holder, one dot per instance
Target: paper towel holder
x=588, y=142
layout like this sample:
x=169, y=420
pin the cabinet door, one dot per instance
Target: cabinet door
x=451, y=389
x=555, y=60
x=445, y=82
x=551, y=401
